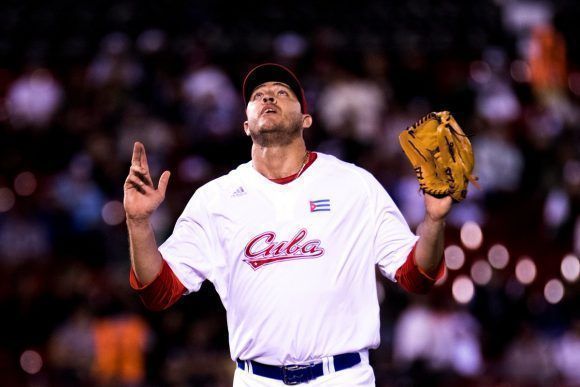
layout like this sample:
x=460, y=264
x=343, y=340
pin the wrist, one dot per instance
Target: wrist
x=435, y=220
x=141, y=221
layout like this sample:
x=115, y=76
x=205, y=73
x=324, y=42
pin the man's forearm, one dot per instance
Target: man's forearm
x=145, y=257
x=429, y=251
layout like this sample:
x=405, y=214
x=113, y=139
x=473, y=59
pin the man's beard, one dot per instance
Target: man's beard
x=278, y=135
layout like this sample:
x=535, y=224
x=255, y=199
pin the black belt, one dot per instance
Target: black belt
x=296, y=374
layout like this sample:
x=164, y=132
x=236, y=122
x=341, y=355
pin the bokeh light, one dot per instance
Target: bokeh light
x=25, y=183
x=462, y=289
x=520, y=71
x=526, y=270
x=481, y=272
x=151, y=41
x=498, y=256
x=480, y=72
x=31, y=362
x=571, y=172
x=471, y=235
x=570, y=268
x=454, y=257
x=554, y=291
x=514, y=289
x=6, y=199
x=193, y=168
x=574, y=83
x=113, y=213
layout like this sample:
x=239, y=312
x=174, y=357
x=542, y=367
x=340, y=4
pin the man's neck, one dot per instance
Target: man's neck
x=279, y=161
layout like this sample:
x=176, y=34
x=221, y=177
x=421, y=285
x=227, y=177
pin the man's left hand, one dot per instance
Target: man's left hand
x=437, y=208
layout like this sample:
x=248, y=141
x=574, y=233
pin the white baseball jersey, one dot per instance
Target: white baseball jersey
x=294, y=264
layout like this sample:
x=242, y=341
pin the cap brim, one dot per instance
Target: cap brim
x=272, y=72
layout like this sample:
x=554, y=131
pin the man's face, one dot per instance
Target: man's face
x=274, y=115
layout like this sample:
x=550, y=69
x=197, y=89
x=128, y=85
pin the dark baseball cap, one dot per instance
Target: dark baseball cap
x=273, y=72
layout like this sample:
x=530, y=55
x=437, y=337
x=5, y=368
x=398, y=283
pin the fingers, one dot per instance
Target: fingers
x=143, y=159
x=141, y=181
x=163, y=181
x=139, y=157
x=139, y=161
x=138, y=149
x=135, y=182
x=139, y=177
x=142, y=174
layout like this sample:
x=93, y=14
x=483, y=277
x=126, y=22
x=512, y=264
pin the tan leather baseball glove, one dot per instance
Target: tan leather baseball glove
x=441, y=155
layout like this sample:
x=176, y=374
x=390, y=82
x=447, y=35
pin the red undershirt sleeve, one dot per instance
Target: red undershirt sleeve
x=413, y=279
x=162, y=292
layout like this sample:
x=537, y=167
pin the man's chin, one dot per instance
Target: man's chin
x=270, y=130
x=273, y=137
x=268, y=125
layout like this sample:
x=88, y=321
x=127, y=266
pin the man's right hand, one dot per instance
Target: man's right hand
x=141, y=197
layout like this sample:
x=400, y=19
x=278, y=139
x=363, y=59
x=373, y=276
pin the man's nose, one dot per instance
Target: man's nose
x=268, y=99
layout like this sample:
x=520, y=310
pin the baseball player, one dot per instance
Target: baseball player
x=290, y=241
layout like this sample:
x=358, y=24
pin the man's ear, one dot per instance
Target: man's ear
x=306, y=121
x=246, y=128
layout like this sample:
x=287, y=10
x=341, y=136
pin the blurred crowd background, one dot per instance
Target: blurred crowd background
x=81, y=81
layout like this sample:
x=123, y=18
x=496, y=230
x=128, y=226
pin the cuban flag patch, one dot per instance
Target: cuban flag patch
x=320, y=205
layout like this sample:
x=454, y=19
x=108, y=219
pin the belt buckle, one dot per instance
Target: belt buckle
x=296, y=374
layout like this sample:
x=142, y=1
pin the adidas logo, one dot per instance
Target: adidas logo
x=239, y=192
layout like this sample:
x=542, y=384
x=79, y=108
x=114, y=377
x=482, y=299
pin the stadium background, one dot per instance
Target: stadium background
x=80, y=81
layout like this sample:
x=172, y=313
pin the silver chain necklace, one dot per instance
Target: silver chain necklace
x=303, y=164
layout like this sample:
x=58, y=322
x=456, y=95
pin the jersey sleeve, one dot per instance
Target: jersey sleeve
x=160, y=293
x=394, y=240
x=413, y=279
x=190, y=251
